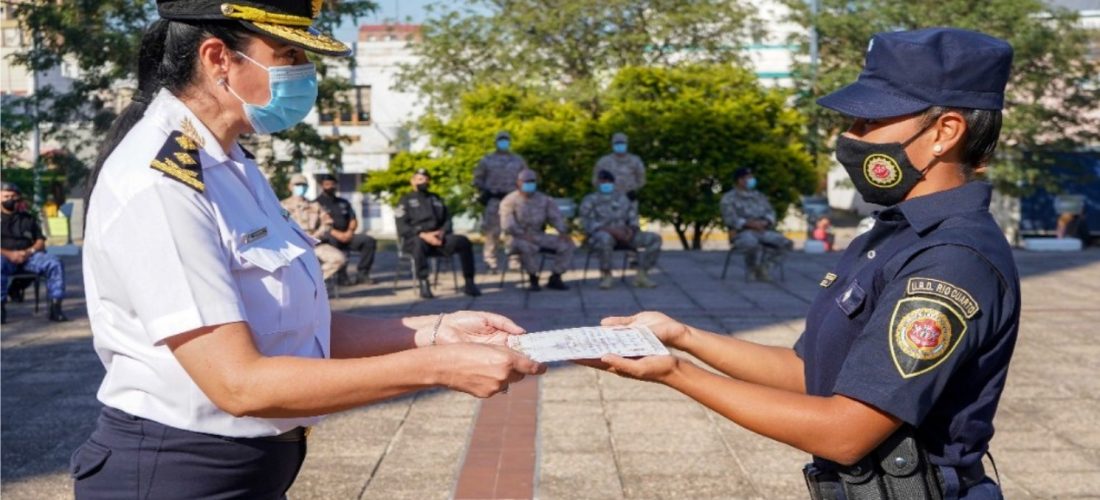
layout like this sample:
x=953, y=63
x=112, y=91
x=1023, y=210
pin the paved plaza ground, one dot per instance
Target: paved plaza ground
x=579, y=433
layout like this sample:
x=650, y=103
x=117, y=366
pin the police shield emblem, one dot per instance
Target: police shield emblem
x=882, y=171
x=923, y=333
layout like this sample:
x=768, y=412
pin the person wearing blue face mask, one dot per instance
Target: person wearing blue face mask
x=628, y=169
x=316, y=222
x=495, y=177
x=751, y=221
x=207, y=303
x=610, y=223
x=524, y=214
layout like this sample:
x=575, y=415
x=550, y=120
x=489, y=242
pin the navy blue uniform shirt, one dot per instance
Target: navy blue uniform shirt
x=919, y=320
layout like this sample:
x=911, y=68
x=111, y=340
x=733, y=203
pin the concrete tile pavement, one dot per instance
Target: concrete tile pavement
x=599, y=436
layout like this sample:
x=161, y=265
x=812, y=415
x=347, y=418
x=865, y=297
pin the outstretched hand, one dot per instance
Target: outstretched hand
x=477, y=327
x=648, y=368
x=669, y=331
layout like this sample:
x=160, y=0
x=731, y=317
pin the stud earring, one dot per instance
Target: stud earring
x=937, y=148
x=221, y=82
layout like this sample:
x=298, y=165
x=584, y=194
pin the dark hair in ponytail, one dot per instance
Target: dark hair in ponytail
x=168, y=58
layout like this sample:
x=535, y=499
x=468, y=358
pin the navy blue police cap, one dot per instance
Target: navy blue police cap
x=910, y=71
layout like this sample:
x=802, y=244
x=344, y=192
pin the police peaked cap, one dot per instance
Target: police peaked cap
x=289, y=21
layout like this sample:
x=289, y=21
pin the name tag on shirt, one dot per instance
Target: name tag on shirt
x=255, y=235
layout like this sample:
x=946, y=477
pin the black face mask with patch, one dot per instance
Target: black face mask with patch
x=422, y=188
x=10, y=205
x=881, y=172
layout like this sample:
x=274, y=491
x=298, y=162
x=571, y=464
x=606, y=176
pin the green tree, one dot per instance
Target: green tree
x=1051, y=97
x=568, y=48
x=694, y=125
x=552, y=136
x=102, y=39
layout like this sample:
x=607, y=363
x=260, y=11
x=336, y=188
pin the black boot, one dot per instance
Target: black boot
x=534, y=280
x=556, y=283
x=425, y=290
x=56, y=314
x=471, y=289
x=363, y=277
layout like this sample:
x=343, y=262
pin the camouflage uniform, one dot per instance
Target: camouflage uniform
x=628, y=169
x=316, y=222
x=495, y=177
x=739, y=206
x=523, y=220
x=599, y=210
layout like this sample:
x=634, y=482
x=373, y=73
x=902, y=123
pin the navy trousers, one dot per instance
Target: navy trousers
x=40, y=263
x=131, y=457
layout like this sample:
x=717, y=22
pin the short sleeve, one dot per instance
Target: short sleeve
x=166, y=249
x=929, y=320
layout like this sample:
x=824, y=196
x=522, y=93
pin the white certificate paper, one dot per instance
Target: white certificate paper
x=587, y=343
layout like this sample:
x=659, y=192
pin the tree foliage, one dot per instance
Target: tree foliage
x=568, y=48
x=693, y=125
x=1051, y=97
x=101, y=40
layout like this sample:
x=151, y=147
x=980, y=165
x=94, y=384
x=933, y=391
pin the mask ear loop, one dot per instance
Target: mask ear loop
x=935, y=159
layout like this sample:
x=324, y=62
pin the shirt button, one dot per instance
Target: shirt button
x=871, y=254
x=900, y=462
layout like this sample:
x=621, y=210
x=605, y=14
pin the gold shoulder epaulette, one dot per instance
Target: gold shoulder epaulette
x=179, y=160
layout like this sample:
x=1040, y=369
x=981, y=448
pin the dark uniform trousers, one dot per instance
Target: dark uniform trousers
x=132, y=457
x=361, y=243
x=452, y=244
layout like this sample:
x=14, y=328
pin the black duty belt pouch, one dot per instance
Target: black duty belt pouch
x=898, y=469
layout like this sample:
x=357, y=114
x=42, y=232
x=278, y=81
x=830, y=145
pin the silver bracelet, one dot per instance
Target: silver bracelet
x=435, y=329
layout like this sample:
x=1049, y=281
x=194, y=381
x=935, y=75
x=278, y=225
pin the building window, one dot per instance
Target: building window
x=352, y=107
x=13, y=37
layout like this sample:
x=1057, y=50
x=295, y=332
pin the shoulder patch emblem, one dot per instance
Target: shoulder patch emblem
x=828, y=280
x=179, y=159
x=923, y=333
x=942, y=289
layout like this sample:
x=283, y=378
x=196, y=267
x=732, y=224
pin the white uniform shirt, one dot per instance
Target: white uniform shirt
x=161, y=259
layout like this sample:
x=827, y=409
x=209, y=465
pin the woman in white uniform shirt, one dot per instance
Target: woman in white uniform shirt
x=207, y=305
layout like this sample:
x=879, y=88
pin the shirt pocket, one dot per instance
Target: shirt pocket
x=259, y=275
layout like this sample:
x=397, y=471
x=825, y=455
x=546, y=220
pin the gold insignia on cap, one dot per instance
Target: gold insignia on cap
x=311, y=40
x=246, y=13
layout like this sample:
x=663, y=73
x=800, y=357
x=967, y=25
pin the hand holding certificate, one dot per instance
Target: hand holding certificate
x=588, y=343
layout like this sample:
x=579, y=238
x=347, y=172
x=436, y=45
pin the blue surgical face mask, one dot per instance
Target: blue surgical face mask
x=529, y=187
x=751, y=183
x=504, y=144
x=300, y=189
x=607, y=187
x=619, y=147
x=293, y=94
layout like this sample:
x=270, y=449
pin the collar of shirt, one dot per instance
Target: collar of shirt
x=924, y=212
x=170, y=114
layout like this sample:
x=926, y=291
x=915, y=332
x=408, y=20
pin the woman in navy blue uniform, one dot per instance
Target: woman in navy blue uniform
x=894, y=384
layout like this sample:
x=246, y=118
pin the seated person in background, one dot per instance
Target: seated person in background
x=524, y=214
x=1069, y=226
x=24, y=251
x=823, y=233
x=610, y=220
x=424, y=225
x=751, y=221
x=342, y=236
x=315, y=222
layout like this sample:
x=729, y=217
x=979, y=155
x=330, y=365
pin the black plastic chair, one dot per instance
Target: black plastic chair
x=768, y=252
x=543, y=254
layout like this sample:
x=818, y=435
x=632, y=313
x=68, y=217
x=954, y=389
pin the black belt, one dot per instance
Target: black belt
x=294, y=435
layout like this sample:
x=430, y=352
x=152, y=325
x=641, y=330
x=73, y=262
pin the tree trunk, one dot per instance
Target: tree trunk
x=697, y=236
x=681, y=231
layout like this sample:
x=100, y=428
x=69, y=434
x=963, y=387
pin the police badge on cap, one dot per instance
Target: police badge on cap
x=289, y=21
